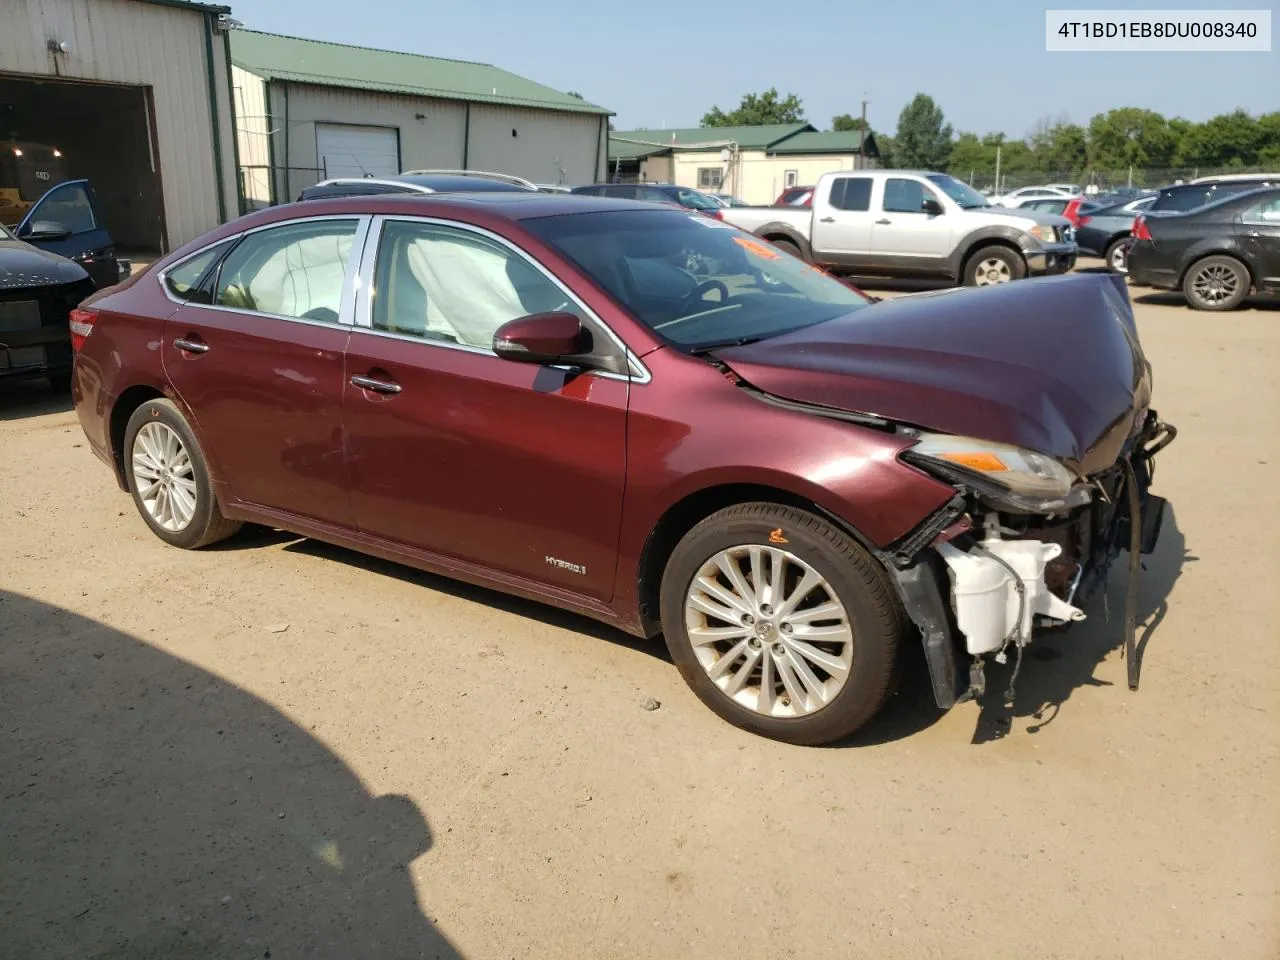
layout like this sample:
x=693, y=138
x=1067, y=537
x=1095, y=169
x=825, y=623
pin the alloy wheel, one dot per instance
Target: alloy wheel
x=990, y=271
x=165, y=477
x=1215, y=283
x=1120, y=258
x=769, y=631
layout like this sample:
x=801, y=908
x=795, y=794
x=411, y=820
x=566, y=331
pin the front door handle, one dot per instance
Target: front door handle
x=884, y=223
x=827, y=220
x=377, y=386
x=191, y=346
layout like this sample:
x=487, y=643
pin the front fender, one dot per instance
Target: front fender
x=983, y=235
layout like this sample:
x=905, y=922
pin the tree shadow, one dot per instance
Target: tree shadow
x=1057, y=663
x=153, y=810
x=30, y=397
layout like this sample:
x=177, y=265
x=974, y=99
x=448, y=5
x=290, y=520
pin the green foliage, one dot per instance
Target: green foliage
x=847, y=121
x=757, y=110
x=924, y=137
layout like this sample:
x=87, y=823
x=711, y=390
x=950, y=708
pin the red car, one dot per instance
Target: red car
x=795, y=197
x=646, y=416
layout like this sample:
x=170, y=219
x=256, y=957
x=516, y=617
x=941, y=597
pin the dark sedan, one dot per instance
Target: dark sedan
x=1104, y=231
x=37, y=291
x=1216, y=254
x=539, y=394
x=685, y=197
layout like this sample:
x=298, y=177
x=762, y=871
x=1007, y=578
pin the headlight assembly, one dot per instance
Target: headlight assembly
x=1044, y=234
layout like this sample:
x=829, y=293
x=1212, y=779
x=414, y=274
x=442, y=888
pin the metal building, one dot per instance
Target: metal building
x=308, y=110
x=135, y=95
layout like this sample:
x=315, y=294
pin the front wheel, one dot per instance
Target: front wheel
x=169, y=478
x=993, y=265
x=1216, y=283
x=781, y=623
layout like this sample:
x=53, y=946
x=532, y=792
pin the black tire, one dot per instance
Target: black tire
x=1017, y=267
x=1232, y=276
x=1117, y=255
x=871, y=607
x=60, y=381
x=788, y=246
x=207, y=524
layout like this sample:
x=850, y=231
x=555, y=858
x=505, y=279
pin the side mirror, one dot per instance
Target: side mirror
x=542, y=338
x=45, y=230
x=931, y=207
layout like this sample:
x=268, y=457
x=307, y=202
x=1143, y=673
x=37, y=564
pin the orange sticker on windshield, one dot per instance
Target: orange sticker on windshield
x=759, y=249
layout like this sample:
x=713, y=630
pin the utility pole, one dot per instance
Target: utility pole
x=862, y=134
x=997, y=169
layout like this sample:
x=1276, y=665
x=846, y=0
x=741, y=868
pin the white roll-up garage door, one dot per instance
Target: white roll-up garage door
x=346, y=150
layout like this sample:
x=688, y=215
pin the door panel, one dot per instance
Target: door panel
x=261, y=368
x=513, y=466
x=902, y=229
x=842, y=219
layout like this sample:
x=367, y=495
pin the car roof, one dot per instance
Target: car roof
x=443, y=182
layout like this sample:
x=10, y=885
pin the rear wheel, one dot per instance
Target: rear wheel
x=169, y=478
x=1216, y=283
x=781, y=623
x=1117, y=255
x=992, y=265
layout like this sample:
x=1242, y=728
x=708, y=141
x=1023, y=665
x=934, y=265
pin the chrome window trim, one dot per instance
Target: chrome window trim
x=363, y=319
x=350, y=278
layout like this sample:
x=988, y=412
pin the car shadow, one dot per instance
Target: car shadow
x=31, y=397
x=152, y=809
x=1174, y=298
x=1059, y=662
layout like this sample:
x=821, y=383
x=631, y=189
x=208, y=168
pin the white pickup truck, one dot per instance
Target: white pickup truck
x=912, y=223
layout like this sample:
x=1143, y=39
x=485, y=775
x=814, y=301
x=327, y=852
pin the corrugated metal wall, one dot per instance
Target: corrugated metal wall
x=122, y=41
x=540, y=145
x=549, y=146
x=253, y=135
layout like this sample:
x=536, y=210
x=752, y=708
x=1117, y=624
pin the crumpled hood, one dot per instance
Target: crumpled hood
x=1052, y=364
x=22, y=265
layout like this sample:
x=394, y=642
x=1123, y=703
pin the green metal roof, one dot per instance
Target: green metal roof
x=622, y=150
x=832, y=141
x=747, y=138
x=276, y=57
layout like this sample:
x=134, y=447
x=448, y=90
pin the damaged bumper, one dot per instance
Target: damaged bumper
x=981, y=576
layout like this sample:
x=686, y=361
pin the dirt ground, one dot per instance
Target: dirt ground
x=277, y=748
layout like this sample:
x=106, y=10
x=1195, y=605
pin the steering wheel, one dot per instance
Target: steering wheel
x=700, y=291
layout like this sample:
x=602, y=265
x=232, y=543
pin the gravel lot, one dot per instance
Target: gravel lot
x=277, y=748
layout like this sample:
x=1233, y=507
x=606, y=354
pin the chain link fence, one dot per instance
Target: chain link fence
x=1095, y=180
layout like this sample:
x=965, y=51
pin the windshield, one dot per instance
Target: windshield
x=696, y=281
x=961, y=193
x=5, y=234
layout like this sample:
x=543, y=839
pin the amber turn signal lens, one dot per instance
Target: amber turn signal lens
x=976, y=460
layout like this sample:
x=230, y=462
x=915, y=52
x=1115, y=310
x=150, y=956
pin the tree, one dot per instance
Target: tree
x=847, y=121
x=1131, y=136
x=970, y=156
x=756, y=110
x=923, y=138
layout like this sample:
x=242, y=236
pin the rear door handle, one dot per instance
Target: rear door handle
x=884, y=223
x=377, y=386
x=191, y=346
x=827, y=220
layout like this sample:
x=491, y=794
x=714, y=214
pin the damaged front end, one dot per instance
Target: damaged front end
x=1021, y=547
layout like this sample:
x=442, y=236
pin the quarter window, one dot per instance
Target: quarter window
x=184, y=279
x=904, y=196
x=289, y=271
x=442, y=283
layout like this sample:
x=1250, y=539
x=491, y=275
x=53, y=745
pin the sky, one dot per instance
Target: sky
x=663, y=63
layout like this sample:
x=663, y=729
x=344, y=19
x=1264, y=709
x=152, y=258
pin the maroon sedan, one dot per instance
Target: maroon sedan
x=646, y=416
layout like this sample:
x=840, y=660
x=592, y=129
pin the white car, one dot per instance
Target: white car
x=1013, y=198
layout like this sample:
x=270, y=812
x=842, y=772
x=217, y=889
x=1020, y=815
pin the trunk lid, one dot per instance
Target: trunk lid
x=1053, y=365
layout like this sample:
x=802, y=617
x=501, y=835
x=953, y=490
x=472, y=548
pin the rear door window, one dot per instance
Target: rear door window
x=294, y=270
x=852, y=194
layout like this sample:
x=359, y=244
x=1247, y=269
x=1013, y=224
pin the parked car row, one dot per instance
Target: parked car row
x=647, y=416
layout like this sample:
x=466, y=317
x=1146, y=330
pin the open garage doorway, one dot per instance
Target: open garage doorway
x=104, y=133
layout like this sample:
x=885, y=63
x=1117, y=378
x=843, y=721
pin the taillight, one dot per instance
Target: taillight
x=1072, y=211
x=1081, y=221
x=81, y=326
x=714, y=214
x=1140, y=231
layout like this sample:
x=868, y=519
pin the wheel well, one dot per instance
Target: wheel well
x=773, y=236
x=989, y=242
x=1182, y=277
x=682, y=517
x=125, y=404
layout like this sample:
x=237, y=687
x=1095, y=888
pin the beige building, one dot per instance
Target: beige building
x=309, y=110
x=754, y=164
x=135, y=95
